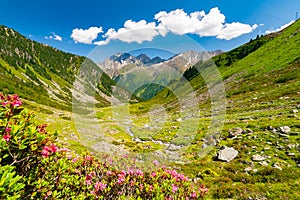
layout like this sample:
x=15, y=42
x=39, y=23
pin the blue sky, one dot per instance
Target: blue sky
x=82, y=27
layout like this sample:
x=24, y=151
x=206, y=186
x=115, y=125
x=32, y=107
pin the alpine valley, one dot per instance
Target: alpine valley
x=147, y=107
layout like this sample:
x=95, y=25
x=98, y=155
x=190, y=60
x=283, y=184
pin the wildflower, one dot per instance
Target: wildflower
x=203, y=190
x=4, y=103
x=132, y=183
x=7, y=130
x=120, y=180
x=53, y=148
x=150, y=188
x=108, y=173
x=141, y=186
x=100, y=186
x=45, y=153
x=139, y=172
x=7, y=137
x=123, y=173
x=193, y=195
x=174, y=188
x=88, y=179
x=153, y=174
x=75, y=160
x=155, y=162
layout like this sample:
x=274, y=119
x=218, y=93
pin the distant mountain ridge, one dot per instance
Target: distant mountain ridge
x=120, y=63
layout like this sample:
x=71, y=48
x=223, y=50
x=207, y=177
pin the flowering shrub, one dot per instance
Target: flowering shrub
x=39, y=169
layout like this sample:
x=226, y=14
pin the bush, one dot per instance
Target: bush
x=33, y=166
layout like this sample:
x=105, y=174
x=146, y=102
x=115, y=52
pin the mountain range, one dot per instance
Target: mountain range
x=120, y=63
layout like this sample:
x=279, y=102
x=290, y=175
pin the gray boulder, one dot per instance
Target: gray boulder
x=227, y=154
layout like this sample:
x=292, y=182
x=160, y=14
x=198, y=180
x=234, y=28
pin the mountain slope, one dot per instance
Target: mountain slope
x=262, y=84
x=41, y=73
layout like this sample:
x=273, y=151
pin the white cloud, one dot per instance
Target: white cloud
x=131, y=32
x=280, y=28
x=234, y=30
x=86, y=36
x=54, y=37
x=177, y=22
x=211, y=24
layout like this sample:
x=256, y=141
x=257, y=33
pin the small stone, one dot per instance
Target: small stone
x=263, y=163
x=179, y=120
x=173, y=147
x=290, y=154
x=269, y=157
x=294, y=111
x=257, y=157
x=227, y=154
x=235, y=132
x=266, y=148
x=283, y=135
x=284, y=129
x=270, y=143
x=291, y=146
x=298, y=106
x=276, y=166
x=248, y=169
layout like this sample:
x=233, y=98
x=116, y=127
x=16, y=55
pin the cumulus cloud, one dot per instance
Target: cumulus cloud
x=131, y=32
x=234, y=30
x=177, y=22
x=210, y=24
x=54, y=37
x=280, y=28
x=86, y=36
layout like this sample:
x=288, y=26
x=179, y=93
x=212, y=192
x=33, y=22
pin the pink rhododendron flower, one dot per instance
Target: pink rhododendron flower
x=7, y=130
x=74, y=160
x=193, y=195
x=4, y=103
x=153, y=174
x=45, y=153
x=155, y=162
x=174, y=188
x=7, y=137
x=108, y=173
x=53, y=148
x=100, y=186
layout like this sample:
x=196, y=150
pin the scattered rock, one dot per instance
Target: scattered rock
x=291, y=146
x=147, y=126
x=290, y=154
x=283, y=135
x=298, y=106
x=276, y=166
x=173, y=147
x=248, y=169
x=269, y=157
x=294, y=111
x=178, y=120
x=235, y=132
x=249, y=131
x=227, y=154
x=270, y=143
x=263, y=163
x=284, y=129
x=257, y=157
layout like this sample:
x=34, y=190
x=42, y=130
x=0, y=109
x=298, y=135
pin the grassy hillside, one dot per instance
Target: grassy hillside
x=262, y=82
x=41, y=73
